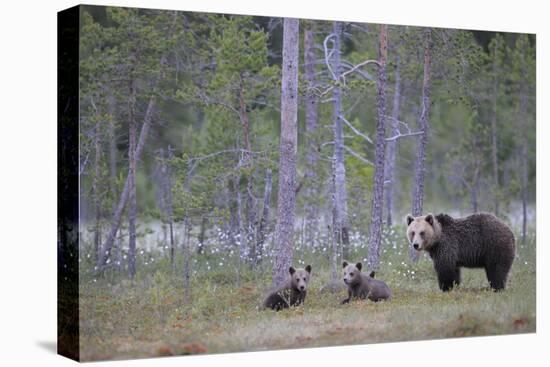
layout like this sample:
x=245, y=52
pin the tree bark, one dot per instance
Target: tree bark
x=377, y=206
x=169, y=203
x=96, y=190
x=262, y=227
x=286, y=202
x=419, y=171
x=391, y=148
x=113, y=156
x=242, y=243
x=119, y=210
x=186, y=260
x=524, y=170
x=202, y=235
x=132, y=197
x=311, y=114
x=340, y=210
x=494, y=131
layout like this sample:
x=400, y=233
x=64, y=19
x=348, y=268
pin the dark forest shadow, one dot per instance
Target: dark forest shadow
x=50, y=346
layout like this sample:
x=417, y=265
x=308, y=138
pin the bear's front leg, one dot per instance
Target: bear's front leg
x=446, y=276
x=347, y=299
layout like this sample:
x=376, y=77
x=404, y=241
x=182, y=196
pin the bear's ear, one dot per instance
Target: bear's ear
x=444, y=219
x=308, y=268
x=371, y=274
x=410, y=218
x=291, y=270
x=430, y=219
x=359, y=266
x=344, y=264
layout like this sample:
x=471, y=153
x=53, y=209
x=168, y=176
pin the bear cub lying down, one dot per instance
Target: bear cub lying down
x=292, y=292
x=361, y=285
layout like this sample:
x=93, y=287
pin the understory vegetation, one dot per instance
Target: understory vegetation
x=150, y=316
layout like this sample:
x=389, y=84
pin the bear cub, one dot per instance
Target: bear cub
x=361, y=285
x=477, y=241
x=292, y=292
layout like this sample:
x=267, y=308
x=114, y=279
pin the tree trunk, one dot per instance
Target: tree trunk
x=167, y=180
x=286, y=202
x=494, y=132
x=262, y=227
x=391, y=148
x=474, y=193
x=247, y=162
x=113, y=156
x=341, y=225
x=377, y=206
x=418, y=191
x=186, y=260
x=117, y=216
x=524, y=170
x=202, y=235
x=96, y=190
x=311, y=114
x=132, y=198
x=113, y=151
x=242, y=243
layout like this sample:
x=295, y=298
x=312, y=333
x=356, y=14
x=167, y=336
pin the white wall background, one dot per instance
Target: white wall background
x=28, y=182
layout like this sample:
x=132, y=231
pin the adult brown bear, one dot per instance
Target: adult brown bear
x=476, y=241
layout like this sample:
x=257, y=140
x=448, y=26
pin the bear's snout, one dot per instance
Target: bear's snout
x=416, y=246
x=302, y=287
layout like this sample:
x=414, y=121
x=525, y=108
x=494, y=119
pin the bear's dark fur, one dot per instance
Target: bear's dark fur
x=361, y=285
x=292, y=292
x=477, y=241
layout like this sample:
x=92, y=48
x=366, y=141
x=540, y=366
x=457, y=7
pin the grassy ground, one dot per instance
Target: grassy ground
x=149, y=317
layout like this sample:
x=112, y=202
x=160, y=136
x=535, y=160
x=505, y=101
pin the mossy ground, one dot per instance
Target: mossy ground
x=149, y=317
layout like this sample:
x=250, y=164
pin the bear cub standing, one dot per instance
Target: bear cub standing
x=290, y=293
x=361, y=285
x=477, y=241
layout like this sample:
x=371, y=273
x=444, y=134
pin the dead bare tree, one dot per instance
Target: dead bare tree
x=420, y=162
x=494, y=122
x=392, y=147
x=119, y=210
x=377, y=206
x=340, y=207
x=96, y=194
x=264, y=220
x=311, y=115
x=284, y=230
x=132, y=161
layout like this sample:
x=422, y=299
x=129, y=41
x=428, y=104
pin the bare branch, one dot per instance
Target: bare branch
x=364, y=63
x=325, y=144
x=356, y=155
x=328, y=55
x=355, y=130
x=399, y=136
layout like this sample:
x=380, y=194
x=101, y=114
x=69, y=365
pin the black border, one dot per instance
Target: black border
x=68, y=331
